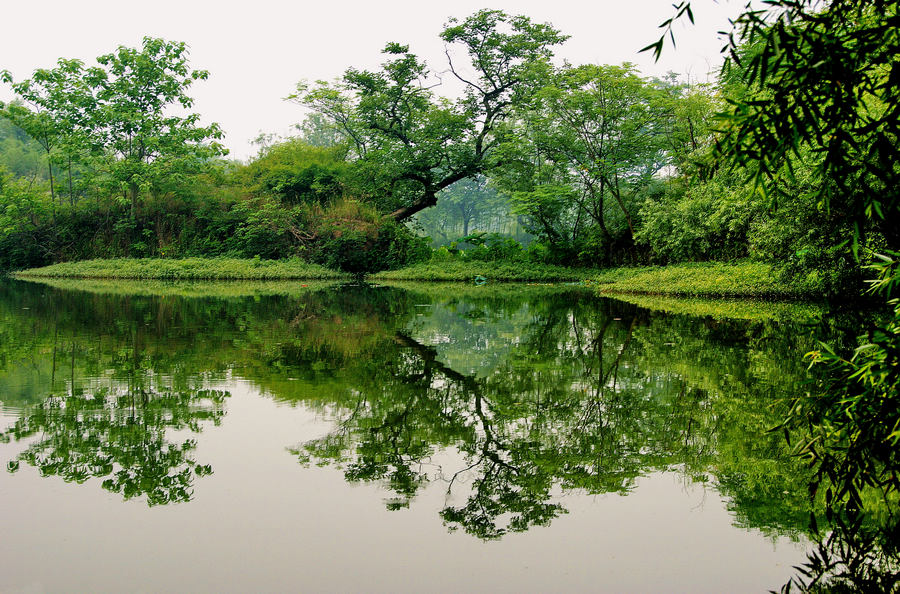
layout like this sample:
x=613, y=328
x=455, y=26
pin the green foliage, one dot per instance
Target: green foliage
x=592, y=141
x=412, y=144
x=19, y=153
x=743, y=279
x=821, y=89
x=808, y=243
x=354, y=238
x=262, y=229
x=134, y=91
x=165, y=227
x=296, y=172
x=115, y=119
x=826, y=81
x=709, y=220
x=485, y=247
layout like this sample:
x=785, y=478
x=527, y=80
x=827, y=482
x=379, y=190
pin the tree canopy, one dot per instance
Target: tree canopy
x=117, y=118
x=415, y=143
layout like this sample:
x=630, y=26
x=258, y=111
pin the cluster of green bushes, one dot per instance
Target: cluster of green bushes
x=488, y=247
x=725, y=218
x=170, y=226
x=354, y=237
x=230, y=210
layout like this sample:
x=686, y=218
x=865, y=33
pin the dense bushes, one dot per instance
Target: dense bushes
x=727, y=218
x=240, y=229
x=351, y=236
x=703, y=221
x=296, y=173
x=483, y=247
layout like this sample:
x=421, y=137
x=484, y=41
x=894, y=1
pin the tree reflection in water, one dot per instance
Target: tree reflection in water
x=119, y=434
x=506, y=397
x=591, y=395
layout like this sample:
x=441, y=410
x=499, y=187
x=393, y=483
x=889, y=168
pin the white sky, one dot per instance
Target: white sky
x=257, y=51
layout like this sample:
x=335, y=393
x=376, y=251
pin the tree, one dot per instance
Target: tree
x=135, y=92
x=414, y=144
x=597, y=136
x=823, y=78
x=122, y=112
x=466, y=206
x=60, y=105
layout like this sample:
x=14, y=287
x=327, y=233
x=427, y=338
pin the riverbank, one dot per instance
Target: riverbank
x=186, y=269
x=700, y=279
x=468, y=271
x=705, y=279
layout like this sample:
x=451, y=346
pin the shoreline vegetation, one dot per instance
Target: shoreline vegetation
x=705, y=279
x=185, y=269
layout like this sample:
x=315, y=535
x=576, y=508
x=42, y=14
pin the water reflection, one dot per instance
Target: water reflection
x=119, y=434
x=537, y=390
x=534, y=392
x=589, y=395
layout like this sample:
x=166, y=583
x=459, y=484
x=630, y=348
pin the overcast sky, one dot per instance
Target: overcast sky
x=256, y=51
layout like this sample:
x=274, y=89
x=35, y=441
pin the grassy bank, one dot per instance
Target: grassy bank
x=727, y=308
x=219, y=289
x=704, y=279
x=189, y=268
x=459, y=271
x=707, y=279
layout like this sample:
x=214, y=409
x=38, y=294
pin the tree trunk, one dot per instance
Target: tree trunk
x=403, y=213
x=50, y=171
x=618, y=197
x=71, y=195
x=133, y=193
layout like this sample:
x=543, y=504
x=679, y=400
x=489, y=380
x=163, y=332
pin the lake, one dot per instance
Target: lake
x=243, y=437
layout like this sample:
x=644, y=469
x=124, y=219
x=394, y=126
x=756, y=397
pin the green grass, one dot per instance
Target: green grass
x=189, y=268
x=458, y=271
x=704, y=279
x=733, y=308
x=184, y=288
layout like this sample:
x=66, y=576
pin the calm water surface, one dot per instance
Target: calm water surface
x=352, y=438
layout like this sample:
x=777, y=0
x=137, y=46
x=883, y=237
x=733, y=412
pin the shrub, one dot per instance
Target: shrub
x=708, y=221
x=353, y=237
